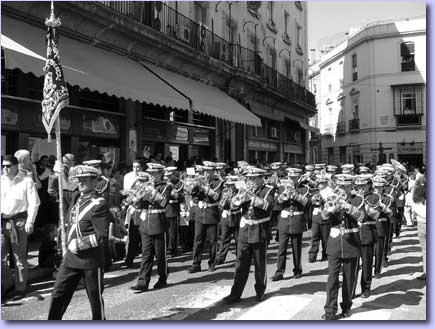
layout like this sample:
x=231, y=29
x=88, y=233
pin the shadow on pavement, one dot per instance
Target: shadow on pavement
x=214, y=277
x=403, y=270
x=304, y=288
x=405, y=260
x=407, y=242
x=399, y=285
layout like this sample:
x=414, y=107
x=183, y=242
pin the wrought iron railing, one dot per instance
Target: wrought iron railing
x=354, y=124
x=341, y=127
x=408, y=119
x=170, y=22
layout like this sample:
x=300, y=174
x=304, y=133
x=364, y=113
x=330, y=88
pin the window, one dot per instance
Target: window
x=408, y=100
x=407, y=54
x=315, y=88
x=354, y=68
x=330, y=155
x=300, y=77
x=342, y=154
x=355, y=111
x=200, y=12
x=298, y=35
x=270, y=8
x=287, y=67
x=286, y=19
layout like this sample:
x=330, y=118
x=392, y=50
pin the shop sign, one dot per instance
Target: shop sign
x=174, y=150
x=201, y=136
x=260, y=145
x=65, y=122
x=100, y=125
x=289, y=148
x=408, y=148
x=178, y=134
x=9, y=116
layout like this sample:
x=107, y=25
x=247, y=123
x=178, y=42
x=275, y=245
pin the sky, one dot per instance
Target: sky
x=329, y=20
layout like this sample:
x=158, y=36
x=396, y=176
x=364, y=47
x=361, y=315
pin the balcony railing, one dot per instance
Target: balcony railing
x=408, y=119
x=341, y=127
x=170, y=22
x=328, y=130
x=354, y=124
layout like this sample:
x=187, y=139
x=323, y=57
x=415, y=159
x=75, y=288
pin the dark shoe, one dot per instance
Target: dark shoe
x=377, y=275
x=312, y=260
x=329, y=316
x=174, y=254
x=384, y=264
x=277, y=277
x=422, y=277
x=160, y=284
x=219, y=262
x=325, y=257
x=139, y=287
x=18, y=295
x=230, y=299
x=193, y=269
x=365, y=294
x=211, y=268
x=297, y=275
x=260, y=297
x=127, y=265
x=345, y=314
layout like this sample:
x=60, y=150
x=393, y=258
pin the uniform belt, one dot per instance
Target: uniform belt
x=343, y=230
x=22, y=214
x=234, y=212
x=154, y=211
x=207, y=205
x=245, y=221
x=372, y=222
x=173, y=201
x=382, y=219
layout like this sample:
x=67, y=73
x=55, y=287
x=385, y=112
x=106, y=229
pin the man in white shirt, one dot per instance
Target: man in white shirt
x=134, y=239
x=19, y=206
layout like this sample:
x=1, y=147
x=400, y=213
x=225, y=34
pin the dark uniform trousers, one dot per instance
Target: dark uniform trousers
x=350, y=268
x=173, y=234
x=66, y=283
x=319, y=233
x=367, y=254
x=296, y=245
x=203, y=232
x=245, y=252
x=230, y=228
x=134, y=240
x=381, y=245
x=153, y=245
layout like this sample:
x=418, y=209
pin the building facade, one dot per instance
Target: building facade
x=224, y=80
x=371, y=95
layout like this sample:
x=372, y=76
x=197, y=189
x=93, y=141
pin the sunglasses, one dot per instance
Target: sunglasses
x=7, y=166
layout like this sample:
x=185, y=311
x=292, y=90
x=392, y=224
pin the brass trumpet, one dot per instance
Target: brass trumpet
x=289, y=189
x=245, y=193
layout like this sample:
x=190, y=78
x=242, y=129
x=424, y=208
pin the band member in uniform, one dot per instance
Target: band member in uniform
x=85, y=254
x=370, y=203
x=256, y=202
x=173, y=208
x=153, y=228
x=320, y=228
x=292, y=222
x=273, y=180
x=331, y=171
x=391, y=189
x=344, y=247
x=206, y=215
x=382, y=224
x=230, y=221
x=348, y=168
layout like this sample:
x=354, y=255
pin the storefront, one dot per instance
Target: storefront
x=264, y=151
x=411, y=153
x=293, y=154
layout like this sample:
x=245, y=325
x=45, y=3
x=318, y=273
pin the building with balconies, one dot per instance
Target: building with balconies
x=371, y=95
x=223, y=80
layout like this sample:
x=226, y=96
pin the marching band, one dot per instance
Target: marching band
x=352, y=218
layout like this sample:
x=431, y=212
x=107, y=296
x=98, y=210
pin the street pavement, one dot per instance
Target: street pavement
x=397, y=295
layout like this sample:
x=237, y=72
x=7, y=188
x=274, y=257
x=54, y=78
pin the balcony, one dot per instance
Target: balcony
x=408, y=119
x=408, y=66
x=170, y=22
x=354, y=124
x=341, y=128
x=328, y=130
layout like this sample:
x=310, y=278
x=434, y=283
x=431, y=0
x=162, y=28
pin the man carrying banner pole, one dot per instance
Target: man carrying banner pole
x=55, y=97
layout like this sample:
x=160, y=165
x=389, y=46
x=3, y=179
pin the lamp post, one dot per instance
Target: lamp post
x=255, y=33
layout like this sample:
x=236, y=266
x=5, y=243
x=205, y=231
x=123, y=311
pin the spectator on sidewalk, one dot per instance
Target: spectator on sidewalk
x=19, y=203
x=26, y=166
x=419, y=215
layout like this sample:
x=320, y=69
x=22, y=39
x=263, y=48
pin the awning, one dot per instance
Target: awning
x=207, y=99
x=309, y=128
x=86, y=66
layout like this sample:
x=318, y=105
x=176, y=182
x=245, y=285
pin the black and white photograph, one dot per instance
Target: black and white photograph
x=214, y=160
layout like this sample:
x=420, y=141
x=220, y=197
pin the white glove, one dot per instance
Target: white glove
x=72, y=246
x=58, y=167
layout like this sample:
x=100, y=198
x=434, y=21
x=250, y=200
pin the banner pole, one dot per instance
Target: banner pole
x=60, y=180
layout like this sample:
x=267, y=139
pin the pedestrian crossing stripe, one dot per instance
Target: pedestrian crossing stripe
x=281, y=307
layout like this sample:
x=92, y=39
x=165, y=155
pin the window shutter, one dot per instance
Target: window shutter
x=418, y=100
x=397, y=105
